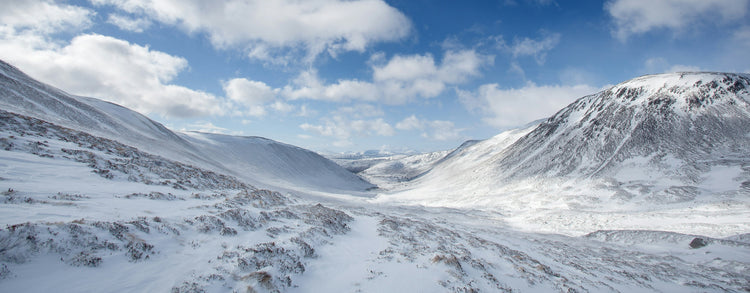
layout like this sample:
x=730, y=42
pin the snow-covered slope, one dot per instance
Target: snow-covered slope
x=81, y=212
x=392, y=171
x=679, y=126
x=694, y=120
x=257, y=161
x=657, y=151
x=465, y=162
x=22, y=94
x=404, y=171
x=274, y=163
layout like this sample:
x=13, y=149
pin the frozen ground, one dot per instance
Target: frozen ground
x=97, y=198
x=85, y=214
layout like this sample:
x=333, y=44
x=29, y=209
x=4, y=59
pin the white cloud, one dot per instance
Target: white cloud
x=343, y=129
x=683, y=68
x=512, y=107
x=661, y=65
x=406, y=68
x=435, y=129
x=398, y=81
x=282, y=107
x=632, y=17
x=253, y=95
x=521, y=47
x=410, y=123
x=248, y=92
x=127, y=23
x=111, y=69
x=305, y=111
x=94, y=65
x=361, y=111
x=42, y=16
x=458, y=66
x=262, y=26
x=345, y=90
x=535, y=48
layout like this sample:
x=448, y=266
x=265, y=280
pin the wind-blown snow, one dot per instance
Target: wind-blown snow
x=671, y=147
x=271, y=163
x=260, y=161
x=85, y=210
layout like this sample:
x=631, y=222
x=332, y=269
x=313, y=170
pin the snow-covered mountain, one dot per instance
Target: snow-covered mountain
x=676, y=142
x=464, y=162
x=679, y=126
x=259, y=161
x=274, y=163
x=694, y=120
x=85, y=210
x=387, y=172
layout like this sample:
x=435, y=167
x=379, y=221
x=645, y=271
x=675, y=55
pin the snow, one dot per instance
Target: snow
x=722, y=178
x=255, y=160
x=97, y=198
x=268, y=163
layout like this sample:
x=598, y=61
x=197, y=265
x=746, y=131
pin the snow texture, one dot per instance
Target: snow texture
x=96, y=198
x=259, y=161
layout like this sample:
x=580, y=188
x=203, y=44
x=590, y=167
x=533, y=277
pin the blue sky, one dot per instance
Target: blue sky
x=332, y=75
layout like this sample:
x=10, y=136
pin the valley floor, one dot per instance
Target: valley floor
x=85, y=214
x=68, y=229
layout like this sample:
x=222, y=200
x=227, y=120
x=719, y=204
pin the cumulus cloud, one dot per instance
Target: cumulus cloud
x=361, y=111
x=410, y=123
x=262, y=27
x=127, y=23
x=343, y=129
x=253, y=95
x=95, y=65
x=114, y=70
x=432, y=129
x=504, y=108
x=398, y=81
x=535, y=48
x=661, y=65
x=42, y=16
x=282, y=107
x=632, y=17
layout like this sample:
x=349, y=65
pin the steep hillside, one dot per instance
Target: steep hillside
x=694, y=120
x=22, y=94
x=656, y=152
x=465, y=162
x=278, y=164
x=257, y=161
x=675, y=127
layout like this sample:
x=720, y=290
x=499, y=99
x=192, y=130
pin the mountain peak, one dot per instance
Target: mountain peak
x=687, y=116
x=688, y=91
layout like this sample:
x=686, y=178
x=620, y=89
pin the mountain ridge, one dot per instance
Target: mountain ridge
x=630, y=147
x=653, y=116
x=22, y=94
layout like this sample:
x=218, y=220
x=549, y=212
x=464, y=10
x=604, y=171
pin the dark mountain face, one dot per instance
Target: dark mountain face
x=691, y=117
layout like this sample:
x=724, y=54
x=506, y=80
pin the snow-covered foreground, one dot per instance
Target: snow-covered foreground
x=97, y=198
x=87, y=214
